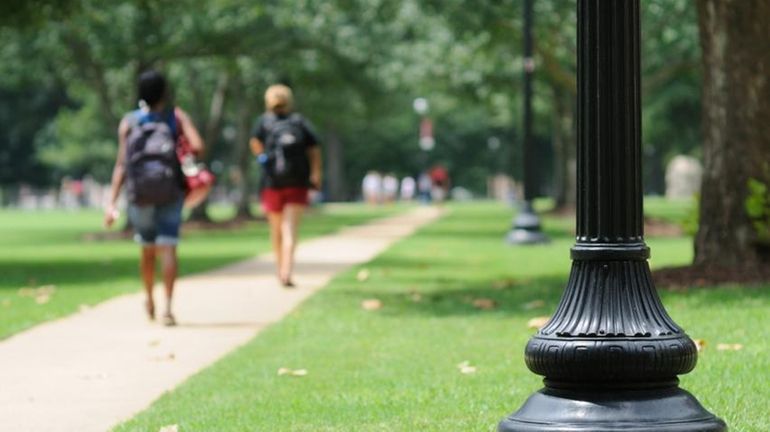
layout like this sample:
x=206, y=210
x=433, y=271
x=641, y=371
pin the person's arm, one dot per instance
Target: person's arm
x=118, y=175
x=316, y=165
x=257, y=148
x=190, y=132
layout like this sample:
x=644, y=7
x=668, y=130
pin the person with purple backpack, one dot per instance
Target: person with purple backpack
x=148, y=164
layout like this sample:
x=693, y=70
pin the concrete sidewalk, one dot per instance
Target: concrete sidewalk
x=96, y=368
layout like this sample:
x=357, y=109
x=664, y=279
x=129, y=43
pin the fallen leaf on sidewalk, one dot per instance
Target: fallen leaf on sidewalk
x=154, y=342
x=484, y=303
x=292, y=372
x=371, y=304
x=700, y=344
x=729, y=347
x=534, y=304
x=538, y=322
x=167, y=357
x=169, y=428
x=363, y=275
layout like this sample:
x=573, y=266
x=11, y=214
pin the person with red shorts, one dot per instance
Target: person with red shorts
x=287, y=149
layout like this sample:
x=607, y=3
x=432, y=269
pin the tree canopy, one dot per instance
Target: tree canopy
x=67, y=72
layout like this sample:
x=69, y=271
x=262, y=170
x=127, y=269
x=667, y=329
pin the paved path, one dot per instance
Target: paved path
x=96, y=368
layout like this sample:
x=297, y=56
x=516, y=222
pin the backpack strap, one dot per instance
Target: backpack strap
x=139, y=117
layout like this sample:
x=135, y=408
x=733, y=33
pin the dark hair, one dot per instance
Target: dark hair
x=152, y=87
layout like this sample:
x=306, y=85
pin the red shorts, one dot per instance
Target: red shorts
x=275, y=199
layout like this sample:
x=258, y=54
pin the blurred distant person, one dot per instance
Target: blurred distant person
x=371, y=187
x=424, y=185
x=147, y=162
x=408, y=188
x=389, y=188
x=288, y=150
x=439, y=184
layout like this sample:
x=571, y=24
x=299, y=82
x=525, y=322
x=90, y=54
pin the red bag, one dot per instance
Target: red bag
x=196, y=175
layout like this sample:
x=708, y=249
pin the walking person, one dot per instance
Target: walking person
x=288, y=150
x=147, y=162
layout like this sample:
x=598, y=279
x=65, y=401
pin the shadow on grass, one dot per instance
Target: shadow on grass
x=17, y=274
x=525, y=298
x=491, y=228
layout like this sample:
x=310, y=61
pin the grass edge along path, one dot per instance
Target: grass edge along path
x=444, y=350
x=50, y=271
x=93, y=369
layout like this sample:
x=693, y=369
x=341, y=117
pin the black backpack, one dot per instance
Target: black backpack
x=287, y=163
x=152, y=166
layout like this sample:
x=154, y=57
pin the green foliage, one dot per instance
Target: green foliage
x=355, y=65
x=757, y=207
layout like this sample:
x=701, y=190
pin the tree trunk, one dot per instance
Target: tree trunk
x=334, y=155
x=564, y=149
x=736, y=90
x=210, y=135
x=245, y=159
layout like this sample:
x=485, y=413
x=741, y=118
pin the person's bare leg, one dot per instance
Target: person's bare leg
x=292, y=214
x=275, y=220
x=170, y=269
x=147, y=268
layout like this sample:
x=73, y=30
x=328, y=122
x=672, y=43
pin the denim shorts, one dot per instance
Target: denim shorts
x=156, y=224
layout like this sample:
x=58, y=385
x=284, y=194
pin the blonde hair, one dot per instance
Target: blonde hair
x=278, y=98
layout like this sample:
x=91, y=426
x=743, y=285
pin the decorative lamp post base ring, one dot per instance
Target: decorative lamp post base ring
x=660, y=410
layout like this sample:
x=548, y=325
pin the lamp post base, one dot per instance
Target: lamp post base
x=652, y=410
x=526, y=227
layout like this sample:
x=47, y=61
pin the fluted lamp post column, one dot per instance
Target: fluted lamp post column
x=610, y=354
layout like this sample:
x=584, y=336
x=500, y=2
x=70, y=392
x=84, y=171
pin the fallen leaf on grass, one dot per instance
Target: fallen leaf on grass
x=484, y=303
x=42, y=294
x=415, y=296
x=538, y=322
x=292, y=372
x=466, y=368
x=729, y=347
x=6, y=302
x=84, y=308
x=169, y=428
x=503, y=283
x=371, y=304
x=700, y=344
x=363, y=275
x=534, y=304
x=26, y=292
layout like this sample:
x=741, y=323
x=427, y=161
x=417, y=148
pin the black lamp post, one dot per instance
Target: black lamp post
x=610, y=355
x=526, y=226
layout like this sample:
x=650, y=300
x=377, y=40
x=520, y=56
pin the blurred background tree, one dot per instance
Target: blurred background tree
x=67, y=72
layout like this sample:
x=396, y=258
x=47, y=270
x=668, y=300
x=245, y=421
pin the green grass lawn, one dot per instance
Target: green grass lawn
x=396, y=368
x=49, y=250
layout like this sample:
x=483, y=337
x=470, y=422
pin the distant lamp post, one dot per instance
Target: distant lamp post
x=610, y=354
x=526, y=226
x=421, y=107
